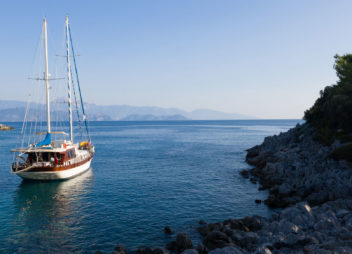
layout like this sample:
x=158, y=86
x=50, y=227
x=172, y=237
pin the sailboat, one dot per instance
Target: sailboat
x=56, y=159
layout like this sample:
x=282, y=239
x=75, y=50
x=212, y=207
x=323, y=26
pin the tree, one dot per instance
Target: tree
x=332, y=111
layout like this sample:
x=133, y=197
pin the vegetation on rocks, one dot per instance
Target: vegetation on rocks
x=331, y=113
x=342, y=153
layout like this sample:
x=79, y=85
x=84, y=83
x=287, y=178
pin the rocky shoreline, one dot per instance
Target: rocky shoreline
x=313, y=190
x=5, y=127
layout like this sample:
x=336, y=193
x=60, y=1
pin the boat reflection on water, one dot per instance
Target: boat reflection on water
x=48, y=214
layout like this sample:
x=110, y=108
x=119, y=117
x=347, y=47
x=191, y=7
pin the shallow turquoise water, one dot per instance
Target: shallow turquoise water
x=145, y=175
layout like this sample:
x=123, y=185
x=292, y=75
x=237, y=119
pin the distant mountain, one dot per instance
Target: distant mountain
x=15, y=111
x=208, y=114
x=153, y=118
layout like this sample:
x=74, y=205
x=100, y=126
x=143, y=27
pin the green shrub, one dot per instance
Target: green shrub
x=332, y=111
x=343, y=153
x=324, y=136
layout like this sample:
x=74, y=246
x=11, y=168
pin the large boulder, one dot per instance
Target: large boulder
x=183, y=242
x=190, y=251
x=228, y=250
x=120, y=249
x=144, y=250
x=216, y=239
x=160, y=250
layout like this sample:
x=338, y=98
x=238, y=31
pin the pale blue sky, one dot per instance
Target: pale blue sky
x=261, y=58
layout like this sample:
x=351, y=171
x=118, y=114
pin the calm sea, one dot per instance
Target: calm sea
x=145, y=175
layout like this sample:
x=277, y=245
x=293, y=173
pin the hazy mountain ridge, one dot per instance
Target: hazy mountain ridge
x=154, y=118
x=15, y=110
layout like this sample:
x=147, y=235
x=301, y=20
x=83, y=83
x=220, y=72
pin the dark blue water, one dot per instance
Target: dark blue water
x=145, y=175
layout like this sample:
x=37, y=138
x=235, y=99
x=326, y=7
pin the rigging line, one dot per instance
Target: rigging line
x=31, y=126
x=25, y=126
x=54, y=92
x=31, y=121
x=78, y=116
x=79, y=87
x=34, y=118
x=42, y=112
x=25, y=119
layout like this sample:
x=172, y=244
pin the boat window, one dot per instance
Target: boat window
x=32, y=157
x=45, y=156
x=71, y=154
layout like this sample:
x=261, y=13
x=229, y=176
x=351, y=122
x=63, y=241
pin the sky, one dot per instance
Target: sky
x=267, y=59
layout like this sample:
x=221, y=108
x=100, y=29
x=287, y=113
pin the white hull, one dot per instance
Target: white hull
x=56, y=175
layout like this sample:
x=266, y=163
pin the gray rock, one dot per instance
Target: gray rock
x=183, y=242
x=202, y=222
x=190, y=251
x=202, y=249
x=160, y=250
x=342, y=213
x=262, y=250
x=120, y=249
x=249, y=239
x=216, y=239
x=287, y=227
x=167, y=230
x=171, y=246
x=285, y=189
x=204, y=230
x=144, y=250
x=228, y=250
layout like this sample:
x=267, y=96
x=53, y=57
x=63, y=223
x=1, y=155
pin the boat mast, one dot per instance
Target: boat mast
x=69, y=77
x=46, y=77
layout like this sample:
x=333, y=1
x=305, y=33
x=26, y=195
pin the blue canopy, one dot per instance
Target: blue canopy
x=46, y=141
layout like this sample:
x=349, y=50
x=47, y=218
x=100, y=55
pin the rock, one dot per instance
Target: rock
x=216, y=239
x=237, y=236
x=120, y=249
x=287, y=227
x=284, y=189
x=201, y=249
x=144, y=250
x=228, y=250
x=190, y=251
x=342, y=213
x=203, y=230
x=245, y=173
x=202, y=222
x=253, y=152
x=5, y=127
x=183, y=242
x=253, y=180
x=160, y=250
x=263, y=250
x=167, y=230
x=275, y=202
x=258, y=201
x=254, y=223
x=215, y=226
x=249, y=240
x=171, y=246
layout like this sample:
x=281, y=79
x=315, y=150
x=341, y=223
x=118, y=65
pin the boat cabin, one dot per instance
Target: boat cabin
x=56, y=158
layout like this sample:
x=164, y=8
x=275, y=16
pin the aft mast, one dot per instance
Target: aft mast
x=69, y=77
x=46, y=77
